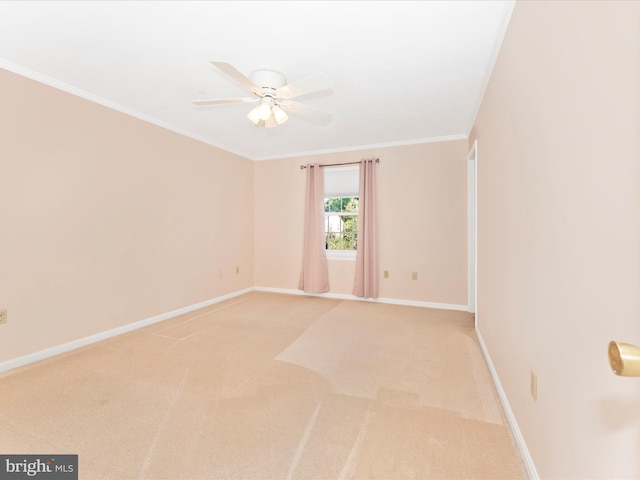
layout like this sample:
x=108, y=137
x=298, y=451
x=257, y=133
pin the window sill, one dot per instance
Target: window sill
x=348, y=255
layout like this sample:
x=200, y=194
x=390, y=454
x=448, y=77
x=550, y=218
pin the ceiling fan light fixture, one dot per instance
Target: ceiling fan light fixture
x=264, y=110
x=270, y=122
x=254, y=115
x=279, y=114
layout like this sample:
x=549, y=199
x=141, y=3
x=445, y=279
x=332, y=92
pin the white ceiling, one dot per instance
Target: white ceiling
x=403, y=72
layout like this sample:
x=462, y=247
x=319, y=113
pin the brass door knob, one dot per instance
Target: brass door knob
x=624, y=359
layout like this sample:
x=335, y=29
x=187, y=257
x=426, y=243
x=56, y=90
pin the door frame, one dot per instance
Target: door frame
x=472, y=228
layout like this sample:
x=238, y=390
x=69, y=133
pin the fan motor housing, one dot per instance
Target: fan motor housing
x=268, y=79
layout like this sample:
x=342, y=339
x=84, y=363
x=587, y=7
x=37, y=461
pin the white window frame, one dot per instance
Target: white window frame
x=339, y=182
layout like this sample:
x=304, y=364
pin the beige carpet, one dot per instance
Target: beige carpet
x=268, y=386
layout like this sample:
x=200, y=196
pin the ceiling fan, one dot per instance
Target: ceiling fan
x=273, y=95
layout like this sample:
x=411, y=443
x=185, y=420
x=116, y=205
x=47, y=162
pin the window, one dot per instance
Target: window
x=341, y=212
x=341, y=223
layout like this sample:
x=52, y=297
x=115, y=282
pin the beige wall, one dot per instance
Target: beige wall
x=559, y=231
x=422, y=222
x=107, y=220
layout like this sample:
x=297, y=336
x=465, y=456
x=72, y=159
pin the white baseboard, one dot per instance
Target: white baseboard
x=343, y=296
x=82, y=342
x=513, y=424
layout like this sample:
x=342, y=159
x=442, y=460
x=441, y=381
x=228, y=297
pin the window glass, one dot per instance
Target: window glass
x=341, y=211
x=341, y=223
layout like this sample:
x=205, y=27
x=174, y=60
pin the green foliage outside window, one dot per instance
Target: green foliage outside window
x=341, y=223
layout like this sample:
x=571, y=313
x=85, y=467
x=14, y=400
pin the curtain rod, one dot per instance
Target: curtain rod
x=302, y=167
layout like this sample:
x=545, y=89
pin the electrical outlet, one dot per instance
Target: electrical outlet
x=414, y=275
x=534, y=386
x=386, y=274
x=3, y=315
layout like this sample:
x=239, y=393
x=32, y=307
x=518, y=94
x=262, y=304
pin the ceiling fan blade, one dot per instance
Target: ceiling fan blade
x=314, y=114
x=236, y=75
x=312, y=84
x=221, y=101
